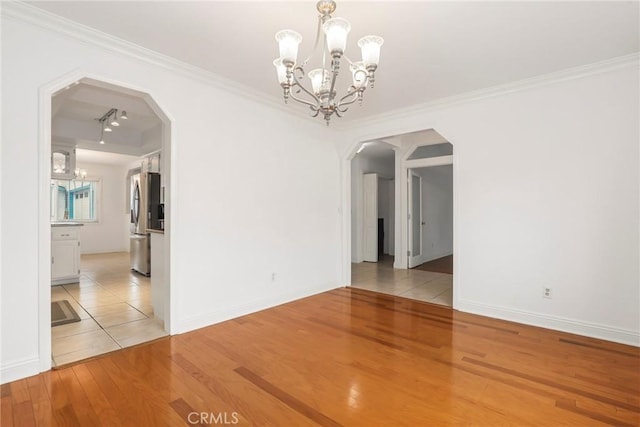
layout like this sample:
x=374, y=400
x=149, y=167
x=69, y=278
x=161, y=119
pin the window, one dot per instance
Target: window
x=75, y=200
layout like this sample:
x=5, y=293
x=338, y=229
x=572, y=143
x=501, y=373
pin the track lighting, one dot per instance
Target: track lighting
x=110, y=118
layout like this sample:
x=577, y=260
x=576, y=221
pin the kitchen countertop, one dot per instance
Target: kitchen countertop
x=66, y=224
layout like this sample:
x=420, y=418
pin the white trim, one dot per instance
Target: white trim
x=631, y=60
x=35, y=16
x=253, y=306
x=19, y=369
x=552, y=322
x=428, y=162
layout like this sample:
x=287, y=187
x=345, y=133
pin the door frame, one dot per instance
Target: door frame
x=402, y=163
x=45, y=95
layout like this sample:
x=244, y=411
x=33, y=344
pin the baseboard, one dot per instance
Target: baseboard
x=552, y=322
x=201, y=321
x=19, y=369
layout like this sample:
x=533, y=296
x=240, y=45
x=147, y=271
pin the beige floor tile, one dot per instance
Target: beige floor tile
x=117, y=315
x=82, y=313
x=427, y=291
x=97, y=339
x=116, y=296
x=445, y=298
x=59, y=293
x=146, y=308
x=85, y=325
x=82, y=354
x=415, y=284
x=92, y=301
x=136, y=332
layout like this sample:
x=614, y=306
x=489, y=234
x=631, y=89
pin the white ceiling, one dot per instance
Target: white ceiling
x=75, y=111
x=432, y=50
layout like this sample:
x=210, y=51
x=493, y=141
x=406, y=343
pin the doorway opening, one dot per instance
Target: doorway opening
x=90, y=200
x=420, y=264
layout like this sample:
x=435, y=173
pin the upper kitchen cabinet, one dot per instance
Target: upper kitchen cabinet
x=63, y=161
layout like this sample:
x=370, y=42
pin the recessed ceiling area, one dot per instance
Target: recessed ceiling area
x=432, y=50
x=77, y=108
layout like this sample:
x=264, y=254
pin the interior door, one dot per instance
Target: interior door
x=415, y=219
x=370, y=217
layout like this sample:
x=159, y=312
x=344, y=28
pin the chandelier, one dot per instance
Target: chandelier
x=322, y=99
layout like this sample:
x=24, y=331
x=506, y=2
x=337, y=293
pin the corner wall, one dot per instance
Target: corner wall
x=254, y=209
x=546, y=194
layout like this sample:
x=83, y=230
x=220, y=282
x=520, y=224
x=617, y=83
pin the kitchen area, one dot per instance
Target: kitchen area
x=107, y=225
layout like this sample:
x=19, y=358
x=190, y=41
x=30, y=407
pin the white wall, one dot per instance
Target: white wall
x=111, y=233
x=437, y=211
x=546, y=193
x=360, y=165
x=386, y=211
x=264, y=195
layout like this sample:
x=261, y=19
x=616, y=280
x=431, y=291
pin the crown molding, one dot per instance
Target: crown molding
x=29, y=14
x=631, y=60
x=20, y=11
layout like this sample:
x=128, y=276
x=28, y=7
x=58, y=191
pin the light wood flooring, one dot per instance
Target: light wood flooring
x=428, y=286
x=346, y=357
x=114, y=305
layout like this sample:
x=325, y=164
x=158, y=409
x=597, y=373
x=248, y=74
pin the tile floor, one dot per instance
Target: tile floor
x=114, y=304
x=436, y=288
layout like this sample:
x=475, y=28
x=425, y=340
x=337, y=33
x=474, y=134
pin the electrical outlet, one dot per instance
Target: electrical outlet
x=547, y=292
x=273, y=277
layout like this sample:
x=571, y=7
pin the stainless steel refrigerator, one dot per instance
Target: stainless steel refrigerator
x=145, y=198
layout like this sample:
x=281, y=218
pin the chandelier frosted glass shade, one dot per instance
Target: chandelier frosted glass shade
x=370, y=46
x=319, y=80
x=331, y=40
x=281, y=69
x=288, y=42
x=336, y=31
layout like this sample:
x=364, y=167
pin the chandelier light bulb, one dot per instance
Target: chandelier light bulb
x=123, y=115
x=107, y=129
x=336, y=30
x=288, y=42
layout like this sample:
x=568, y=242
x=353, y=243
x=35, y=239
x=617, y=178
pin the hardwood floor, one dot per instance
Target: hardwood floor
x=440, y=265
x=345, y=357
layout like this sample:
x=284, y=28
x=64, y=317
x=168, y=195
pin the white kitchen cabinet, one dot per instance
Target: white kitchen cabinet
x=65, y=255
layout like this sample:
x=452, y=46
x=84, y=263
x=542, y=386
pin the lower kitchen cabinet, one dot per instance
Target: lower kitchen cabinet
x=65, y=255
